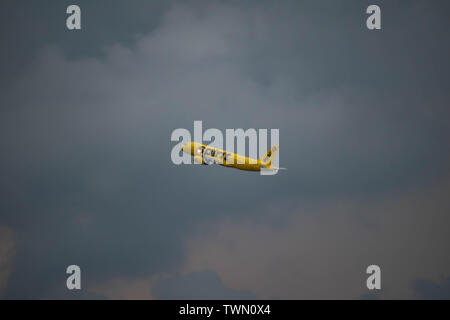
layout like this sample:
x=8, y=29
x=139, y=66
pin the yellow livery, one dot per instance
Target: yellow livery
x=208, y=155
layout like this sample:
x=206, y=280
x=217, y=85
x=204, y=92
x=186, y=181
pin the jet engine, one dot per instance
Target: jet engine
x=199, y=159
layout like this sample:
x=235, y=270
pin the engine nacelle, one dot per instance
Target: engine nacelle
x=199, y=159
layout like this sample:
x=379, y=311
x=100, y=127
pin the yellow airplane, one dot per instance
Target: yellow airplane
x=208, y=155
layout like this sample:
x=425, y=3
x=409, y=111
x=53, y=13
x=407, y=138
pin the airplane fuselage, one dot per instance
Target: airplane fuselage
x=208, y=155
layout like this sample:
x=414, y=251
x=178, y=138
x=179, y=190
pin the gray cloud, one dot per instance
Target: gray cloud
x=432, y=290
x=7, y=251
x=324, y=252
x=197, y=285
x=85, y=164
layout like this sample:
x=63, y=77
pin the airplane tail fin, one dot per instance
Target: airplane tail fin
x=267, y=159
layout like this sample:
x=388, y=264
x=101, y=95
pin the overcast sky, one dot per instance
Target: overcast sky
x=86, y=176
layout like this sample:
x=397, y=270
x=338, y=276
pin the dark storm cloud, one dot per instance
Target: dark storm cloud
x=86, y=123
x=27, y=26
x=430, y=290
x=322, y=251
x=197, y=285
